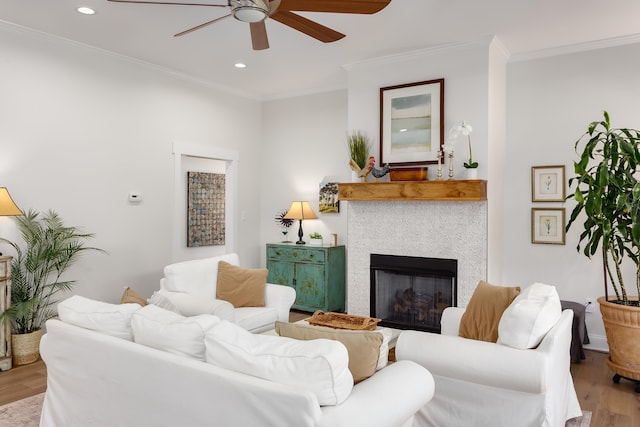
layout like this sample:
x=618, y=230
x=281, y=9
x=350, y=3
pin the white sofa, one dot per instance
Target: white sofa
x=190, y=286
x=484, y=384
x=99, y=379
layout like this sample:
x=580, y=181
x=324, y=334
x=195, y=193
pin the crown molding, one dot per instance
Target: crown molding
x=576, y=48
x=418, y=53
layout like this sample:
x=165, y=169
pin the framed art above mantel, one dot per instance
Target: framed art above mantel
x=412, y=123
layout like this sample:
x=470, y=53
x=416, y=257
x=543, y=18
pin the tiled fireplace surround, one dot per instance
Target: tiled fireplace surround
x=426, y=228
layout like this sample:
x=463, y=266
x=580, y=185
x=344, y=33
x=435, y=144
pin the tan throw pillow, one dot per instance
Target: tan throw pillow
x=130, y=296
x=242, y=287
x=482, y=316
x=363, y=346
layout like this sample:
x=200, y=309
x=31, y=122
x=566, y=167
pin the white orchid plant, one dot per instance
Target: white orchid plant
x=465, y=129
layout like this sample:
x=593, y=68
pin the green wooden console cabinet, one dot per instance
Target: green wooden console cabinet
x=317, y=273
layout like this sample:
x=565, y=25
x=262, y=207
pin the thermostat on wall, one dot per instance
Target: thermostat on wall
x=135, y=197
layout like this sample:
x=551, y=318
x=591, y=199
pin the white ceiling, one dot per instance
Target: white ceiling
x=296, y=63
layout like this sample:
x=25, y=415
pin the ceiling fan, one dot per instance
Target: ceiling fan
x=255, y=12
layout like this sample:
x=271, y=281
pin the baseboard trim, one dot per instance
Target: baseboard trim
x=597, y=343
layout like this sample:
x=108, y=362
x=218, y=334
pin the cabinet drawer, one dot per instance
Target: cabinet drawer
x=296, y=254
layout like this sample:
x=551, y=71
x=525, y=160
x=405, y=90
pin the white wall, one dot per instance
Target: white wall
x=550, y=102
x=474, y=91
x=465, y=70
x=304, y=143
x=496, y=142
x=80, y=129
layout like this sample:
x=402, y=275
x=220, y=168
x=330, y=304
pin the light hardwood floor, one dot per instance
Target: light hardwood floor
x=612, y=405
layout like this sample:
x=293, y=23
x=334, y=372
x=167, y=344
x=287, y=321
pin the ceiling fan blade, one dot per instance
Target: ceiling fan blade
x=259, y=38
x=169, y=3
x=335, y=6
x=304, y=25
x=206, y=24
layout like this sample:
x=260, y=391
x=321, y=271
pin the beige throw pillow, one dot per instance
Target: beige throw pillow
x=130, y=296
x=242, y=287
x=363, y=346
x=482, y=316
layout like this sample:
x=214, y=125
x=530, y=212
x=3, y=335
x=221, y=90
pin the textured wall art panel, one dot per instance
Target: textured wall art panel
x=206, y=210
x=455, y=230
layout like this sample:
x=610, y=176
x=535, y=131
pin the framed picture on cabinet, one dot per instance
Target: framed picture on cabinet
x=412, y=123
x=547, y=184
x=547, y=226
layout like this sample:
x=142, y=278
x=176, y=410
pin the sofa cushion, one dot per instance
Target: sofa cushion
x=482, y=315
x=255, y=318
x=319, y=366
x=165, y=330
x=197, y=277
x=363, y=346
x=110, y=319
x=242, y=287
x=530, y=316
x=192, y=305
x=160, y=300
x=130, y=296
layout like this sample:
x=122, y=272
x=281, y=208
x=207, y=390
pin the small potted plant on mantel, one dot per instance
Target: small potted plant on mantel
x=359, y=147
x=608, y=195
x=465, y=129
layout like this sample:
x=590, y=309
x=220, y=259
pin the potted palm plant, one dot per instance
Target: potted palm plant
x=608, y=195
x=48, y=250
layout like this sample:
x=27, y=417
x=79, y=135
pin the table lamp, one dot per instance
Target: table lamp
x=300, y=211
x=7, y=205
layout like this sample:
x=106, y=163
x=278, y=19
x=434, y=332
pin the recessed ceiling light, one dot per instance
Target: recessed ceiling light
x=240, y=65
x=86, y=10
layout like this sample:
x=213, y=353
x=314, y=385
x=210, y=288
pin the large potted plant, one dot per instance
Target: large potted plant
x=48, y=249
x=608, y=194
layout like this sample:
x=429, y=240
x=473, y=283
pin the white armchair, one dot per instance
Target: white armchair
x=191, y=287
x=484, y=384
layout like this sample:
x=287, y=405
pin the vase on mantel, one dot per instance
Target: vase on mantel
x=472, y=173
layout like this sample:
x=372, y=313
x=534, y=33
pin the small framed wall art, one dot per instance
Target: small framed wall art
x=547, y=226
x=547, y=184
x=412, y=123
x=328, y=197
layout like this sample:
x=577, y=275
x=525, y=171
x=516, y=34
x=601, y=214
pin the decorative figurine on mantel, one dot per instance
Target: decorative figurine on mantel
x=363, y=172
x=380, y=172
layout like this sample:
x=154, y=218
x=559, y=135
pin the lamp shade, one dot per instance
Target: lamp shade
x=300, y=210
x=7, y=205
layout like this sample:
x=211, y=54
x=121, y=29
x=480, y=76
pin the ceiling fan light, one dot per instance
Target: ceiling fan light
x=249, y=10
x=249, y=14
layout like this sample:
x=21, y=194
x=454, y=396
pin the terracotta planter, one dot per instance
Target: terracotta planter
x=26, y=347
x=622, y=325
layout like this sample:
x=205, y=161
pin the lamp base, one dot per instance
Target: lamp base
x=300, y=234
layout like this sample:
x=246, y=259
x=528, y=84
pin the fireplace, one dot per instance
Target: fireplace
x=444, y=219
x=409, y=292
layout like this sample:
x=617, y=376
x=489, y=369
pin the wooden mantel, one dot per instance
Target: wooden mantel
x=446, y=190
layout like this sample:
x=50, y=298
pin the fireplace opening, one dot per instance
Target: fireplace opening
x=412, y=292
